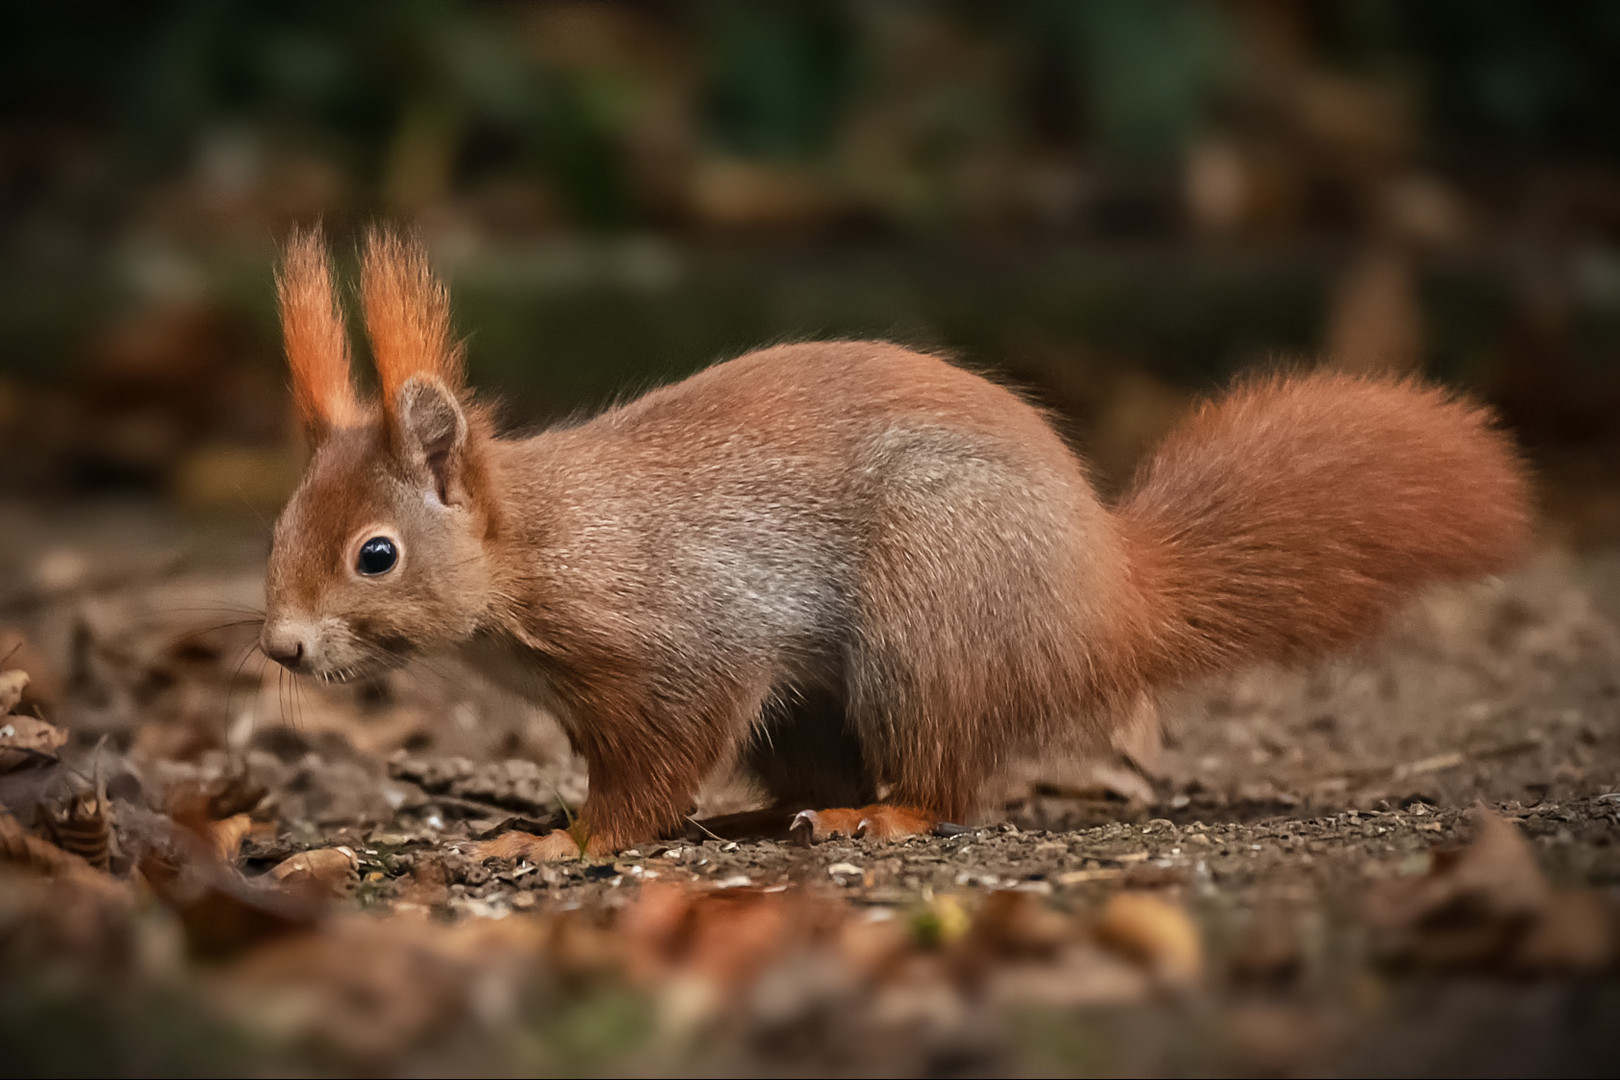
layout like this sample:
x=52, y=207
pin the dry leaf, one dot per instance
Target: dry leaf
x=12, y=685
x=227, y=836
x=1079, y=976
x=80, y=918
x=224, y=913
x=22, y=848
x=1270, y=951
x=726, y=936
x=1019, y=924
x=24, y=738
x=1156, y=933
x=1469, y=909
x=43, y=695
x=378, y=990
x=335, y=869
x=1489, y=906
x=1576, y=933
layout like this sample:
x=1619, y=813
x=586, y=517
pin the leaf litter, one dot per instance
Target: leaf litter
x=318, y=875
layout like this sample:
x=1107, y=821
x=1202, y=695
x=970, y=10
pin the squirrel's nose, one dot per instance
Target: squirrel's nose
x=284, y=645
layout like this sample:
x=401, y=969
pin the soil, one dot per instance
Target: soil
x=1282, y=800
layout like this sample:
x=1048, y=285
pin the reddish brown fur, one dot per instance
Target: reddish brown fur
x=407, y=315
x=1289, y=517
x=312, y=326
x=851, y=567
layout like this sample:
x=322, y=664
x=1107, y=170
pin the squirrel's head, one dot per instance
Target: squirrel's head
x=384, y=549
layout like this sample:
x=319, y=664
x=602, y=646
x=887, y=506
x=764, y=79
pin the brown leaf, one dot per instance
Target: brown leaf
x=1019, y=924
x=1079, y=976
x=378, y=990
x=227, y=836
x=335, y=869
x=429, y=883
x=196, y=805
x=22, y=848
x=224, y=913
x=1154, y=932
x=43, y=695
x=12, y=685
x=727, y=935
x=81, y=917
x=1472, y=908
x=1575, y=933
x=24, y=738
x=1270, y=951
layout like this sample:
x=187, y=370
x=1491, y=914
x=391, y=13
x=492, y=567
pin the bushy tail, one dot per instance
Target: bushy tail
x=1289, y=517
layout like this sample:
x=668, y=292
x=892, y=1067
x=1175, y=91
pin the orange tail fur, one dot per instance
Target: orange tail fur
x=1289, y=517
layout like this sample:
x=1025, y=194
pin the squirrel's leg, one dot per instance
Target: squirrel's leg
x=633, y=799
x=645, y=769
x=922, y=728
x=928, y=789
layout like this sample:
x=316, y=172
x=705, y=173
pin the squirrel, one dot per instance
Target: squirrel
x=865, y=576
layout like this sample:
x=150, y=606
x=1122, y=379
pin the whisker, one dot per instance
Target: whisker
x=192, y=635
x=212, y=609
x=298, y=700
x=281, y=698
x=258, y=694
x=232, y=684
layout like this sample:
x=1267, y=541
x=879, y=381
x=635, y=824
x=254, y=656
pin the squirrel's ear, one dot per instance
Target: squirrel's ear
x=431, y=436
x=407, y=316
x=317, y=344
x=418, y=363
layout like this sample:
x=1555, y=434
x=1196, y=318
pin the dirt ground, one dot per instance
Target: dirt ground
x=1312, y=901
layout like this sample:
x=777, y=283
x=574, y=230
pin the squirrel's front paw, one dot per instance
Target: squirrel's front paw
x=558, y=845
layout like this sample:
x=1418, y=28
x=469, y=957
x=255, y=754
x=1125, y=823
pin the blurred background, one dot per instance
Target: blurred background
x=1117, y=203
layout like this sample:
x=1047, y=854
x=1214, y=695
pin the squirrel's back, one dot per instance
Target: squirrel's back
x=823, y=489
x=759, y=497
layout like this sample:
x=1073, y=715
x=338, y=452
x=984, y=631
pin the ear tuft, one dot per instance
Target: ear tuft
x=407, y=316
x=432, y=433
x=316, y=342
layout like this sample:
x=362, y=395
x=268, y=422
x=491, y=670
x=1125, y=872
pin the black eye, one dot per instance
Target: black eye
x=377, y=556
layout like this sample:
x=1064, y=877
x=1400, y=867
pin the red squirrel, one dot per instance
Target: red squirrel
x=865, y=576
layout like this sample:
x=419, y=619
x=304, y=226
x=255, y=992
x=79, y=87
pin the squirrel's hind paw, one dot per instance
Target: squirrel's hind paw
x=558, y=845
x=876, y=822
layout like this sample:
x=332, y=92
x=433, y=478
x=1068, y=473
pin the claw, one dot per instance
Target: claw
x=814, y=826
x=802, y=830
x=880, y=822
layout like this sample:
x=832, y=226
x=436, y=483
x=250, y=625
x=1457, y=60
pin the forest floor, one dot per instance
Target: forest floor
x=1404, y=861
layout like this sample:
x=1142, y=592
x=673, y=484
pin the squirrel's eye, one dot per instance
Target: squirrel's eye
x=377, y=556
